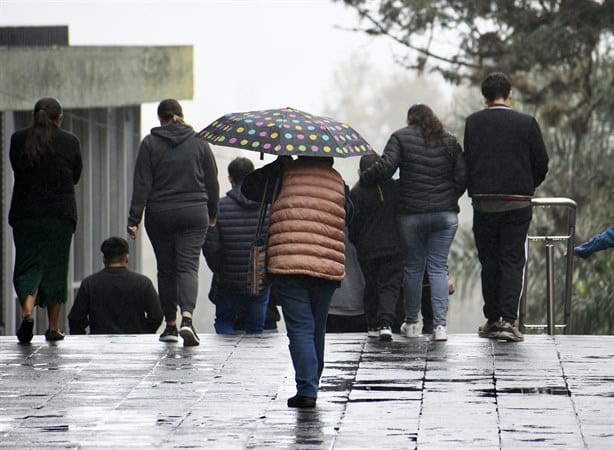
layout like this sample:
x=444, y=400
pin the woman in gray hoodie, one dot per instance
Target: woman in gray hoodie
x=175, y=181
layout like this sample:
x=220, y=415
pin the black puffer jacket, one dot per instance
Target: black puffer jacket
x=227, y=245
x=433, y=177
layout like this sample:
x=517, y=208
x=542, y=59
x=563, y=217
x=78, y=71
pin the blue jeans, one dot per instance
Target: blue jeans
x=305, y=301
x=426, y=239
x=227, y=306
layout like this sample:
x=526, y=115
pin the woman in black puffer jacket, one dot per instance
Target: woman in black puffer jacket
x=433, y=177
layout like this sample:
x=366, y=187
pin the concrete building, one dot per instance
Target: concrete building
x=101, y=90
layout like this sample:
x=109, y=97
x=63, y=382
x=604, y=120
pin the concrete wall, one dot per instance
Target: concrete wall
x=91, y=77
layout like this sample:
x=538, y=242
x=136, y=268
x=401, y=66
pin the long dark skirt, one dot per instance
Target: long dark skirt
x=42, y=249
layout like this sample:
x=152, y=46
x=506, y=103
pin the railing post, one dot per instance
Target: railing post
x=549, y=240
x=550, y=285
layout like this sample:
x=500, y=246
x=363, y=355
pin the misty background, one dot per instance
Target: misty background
x=251, y=55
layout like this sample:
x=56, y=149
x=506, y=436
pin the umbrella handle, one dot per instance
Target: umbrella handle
x=261, y=156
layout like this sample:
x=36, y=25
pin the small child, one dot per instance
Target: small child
x=227, y=251
x=373, y=231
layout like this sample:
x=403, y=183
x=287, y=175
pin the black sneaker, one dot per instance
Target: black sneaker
x=489, y=329
x=300, y=401
x=187, y=332
x=508, y=332
x=170, y=334
x=53, y=335
x=24, y=333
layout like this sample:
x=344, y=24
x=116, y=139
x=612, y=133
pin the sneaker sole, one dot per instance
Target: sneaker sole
x=509, y=337
x=189, y=338
x=169, y=339
x=491, y=335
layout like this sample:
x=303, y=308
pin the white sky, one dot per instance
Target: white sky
x=248, y=55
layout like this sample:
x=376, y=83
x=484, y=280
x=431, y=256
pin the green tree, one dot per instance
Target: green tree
x=559, y=55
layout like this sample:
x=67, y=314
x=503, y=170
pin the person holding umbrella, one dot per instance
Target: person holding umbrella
x=175, y=181
x=306, y=256
x=310, y=205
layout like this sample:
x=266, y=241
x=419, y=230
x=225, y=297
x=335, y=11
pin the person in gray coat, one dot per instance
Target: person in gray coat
x=175, y=181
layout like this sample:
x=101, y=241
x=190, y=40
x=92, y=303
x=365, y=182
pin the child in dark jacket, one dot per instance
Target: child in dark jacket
x=227, y=251
x=373, y=231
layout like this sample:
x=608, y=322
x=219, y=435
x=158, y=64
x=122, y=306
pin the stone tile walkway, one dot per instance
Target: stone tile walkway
x=230, y=393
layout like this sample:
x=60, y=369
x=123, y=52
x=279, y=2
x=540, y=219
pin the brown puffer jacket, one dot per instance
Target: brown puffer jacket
x=307, y=220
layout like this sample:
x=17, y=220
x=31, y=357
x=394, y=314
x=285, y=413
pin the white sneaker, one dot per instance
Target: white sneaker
x=385, y=334
x=440, y=333
x=410, y=330
x=373, y=332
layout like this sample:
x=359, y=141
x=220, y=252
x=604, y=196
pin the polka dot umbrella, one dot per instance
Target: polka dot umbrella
x=286, y=131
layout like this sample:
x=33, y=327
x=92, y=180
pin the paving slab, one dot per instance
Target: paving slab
x=230, y=393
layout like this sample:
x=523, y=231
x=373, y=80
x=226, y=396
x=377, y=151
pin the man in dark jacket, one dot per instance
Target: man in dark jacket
x=115, y=300
x=373, y=231
x=227, y=250
x=506, y=162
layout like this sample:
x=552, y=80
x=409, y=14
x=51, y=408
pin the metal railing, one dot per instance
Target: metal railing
x=569, y=237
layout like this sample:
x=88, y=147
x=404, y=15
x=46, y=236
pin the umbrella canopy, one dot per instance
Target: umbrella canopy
x=286, y=131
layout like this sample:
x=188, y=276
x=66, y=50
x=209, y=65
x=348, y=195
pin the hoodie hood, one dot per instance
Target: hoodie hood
x=236, y=195
x=173, y=133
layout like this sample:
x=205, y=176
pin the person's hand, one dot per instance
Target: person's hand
x=212, y=222
x=132, y=231
x=451, y=288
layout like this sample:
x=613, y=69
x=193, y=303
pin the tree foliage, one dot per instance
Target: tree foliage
x=559, y=55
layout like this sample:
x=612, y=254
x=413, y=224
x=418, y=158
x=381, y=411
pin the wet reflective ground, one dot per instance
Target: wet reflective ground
x=230, y=393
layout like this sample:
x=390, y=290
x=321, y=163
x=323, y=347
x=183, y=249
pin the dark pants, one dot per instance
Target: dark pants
x=383, y=278
x=305, y=302
x=501, y=239
x=228, y=304
x=177, y=237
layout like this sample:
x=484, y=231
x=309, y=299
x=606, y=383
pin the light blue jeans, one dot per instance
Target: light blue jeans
x=426, y=239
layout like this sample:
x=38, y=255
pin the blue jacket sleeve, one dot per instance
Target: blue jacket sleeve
x=598, y=242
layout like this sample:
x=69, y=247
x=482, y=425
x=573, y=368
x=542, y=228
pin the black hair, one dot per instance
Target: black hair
x=367, y=161
x=46, y=112
x=423, y=117
x=169, y=110
x=239, y=168
x=114, y=249
x=496, y=85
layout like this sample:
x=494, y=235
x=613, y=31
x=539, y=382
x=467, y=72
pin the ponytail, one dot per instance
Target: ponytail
x=169, y=111
x=46, y=112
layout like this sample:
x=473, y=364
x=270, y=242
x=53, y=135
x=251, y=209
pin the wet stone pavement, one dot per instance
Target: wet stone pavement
x=230, y=393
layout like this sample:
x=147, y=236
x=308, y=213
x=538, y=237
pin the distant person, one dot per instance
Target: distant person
x=46, y=162
x=432, y=178
x=374, y=231
x=232, y=239
x=506, y=162
x=115, y=300
x=306, y=259
x=175, y=181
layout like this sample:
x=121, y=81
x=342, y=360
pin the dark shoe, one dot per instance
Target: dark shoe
x=489, y=329
x=24, y=333
x=170, y=334
x=385, y=334
x=508, y=332
x=52, y=335
x=300, y=401
x=187, y=332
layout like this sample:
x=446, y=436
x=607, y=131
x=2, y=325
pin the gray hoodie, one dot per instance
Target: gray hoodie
x=174, y=169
